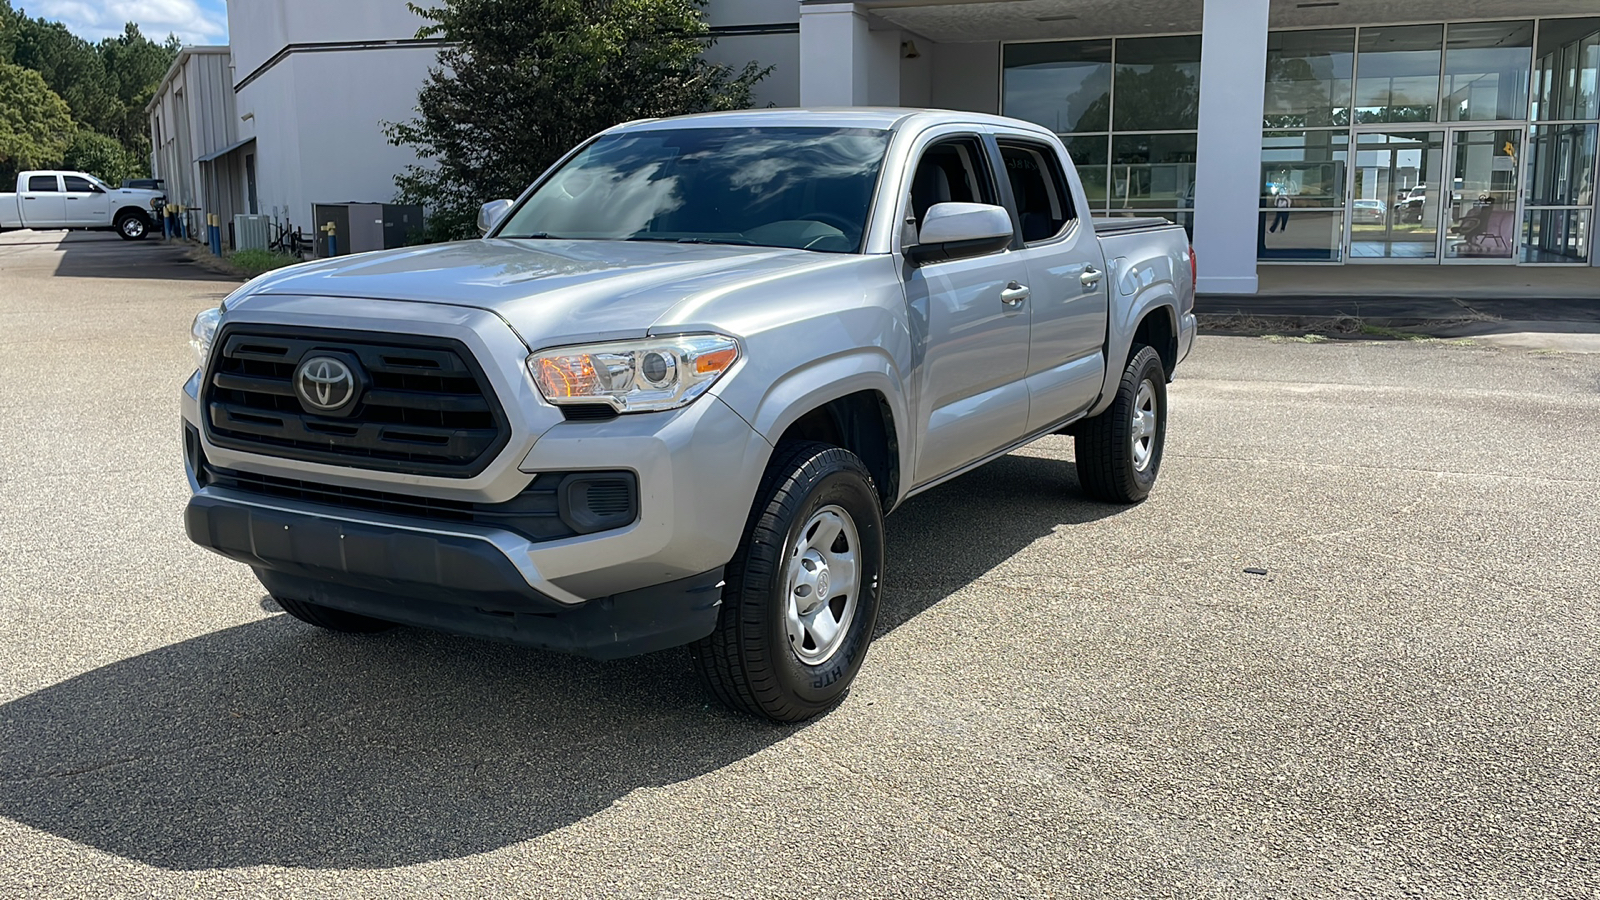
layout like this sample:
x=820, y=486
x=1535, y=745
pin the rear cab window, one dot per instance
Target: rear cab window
x=1039, y=186
x=42, y=183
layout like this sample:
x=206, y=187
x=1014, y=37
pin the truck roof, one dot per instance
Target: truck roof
x=884, y=117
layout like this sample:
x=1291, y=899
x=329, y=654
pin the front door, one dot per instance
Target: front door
x=1449, y=194
x=1481, y=220
x=974, y=399
x=1395, y=196
x=87, y=206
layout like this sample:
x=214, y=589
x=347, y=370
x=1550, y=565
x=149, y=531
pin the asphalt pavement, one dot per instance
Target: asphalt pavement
x=1065, y=699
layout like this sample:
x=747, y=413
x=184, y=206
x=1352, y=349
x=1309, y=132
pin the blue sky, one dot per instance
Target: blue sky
x=193, y=21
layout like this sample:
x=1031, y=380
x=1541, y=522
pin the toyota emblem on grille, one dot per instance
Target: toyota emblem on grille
x=325, y=384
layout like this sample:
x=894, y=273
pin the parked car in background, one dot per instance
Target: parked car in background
x=46, y=200
x=670, y=397
x=145, y=184
x=1373, y=211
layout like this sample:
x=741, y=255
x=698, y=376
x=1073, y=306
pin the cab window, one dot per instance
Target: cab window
x=42, y=183
x=77, y=185
x=951, y=171
x=1044, y=205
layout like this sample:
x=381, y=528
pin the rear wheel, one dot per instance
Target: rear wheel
x=132, y=226
x=1119, y=451
x=332, y=619
x=801, y=597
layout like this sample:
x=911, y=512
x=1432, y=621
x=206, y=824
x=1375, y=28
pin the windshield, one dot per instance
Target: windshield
x=806, y=188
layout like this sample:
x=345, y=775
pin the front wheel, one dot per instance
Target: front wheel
x=133, y=227
x=801, y=597
x=1119, y=451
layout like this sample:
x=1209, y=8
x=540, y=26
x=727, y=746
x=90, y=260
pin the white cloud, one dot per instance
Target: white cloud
x=192, y=22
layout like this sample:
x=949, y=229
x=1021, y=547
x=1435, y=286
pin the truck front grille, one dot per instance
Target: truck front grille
x=423, y=405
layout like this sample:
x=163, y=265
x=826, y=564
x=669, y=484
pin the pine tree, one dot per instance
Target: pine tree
x=520, y=82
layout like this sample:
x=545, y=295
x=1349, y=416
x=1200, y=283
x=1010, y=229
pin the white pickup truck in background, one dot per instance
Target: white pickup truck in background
x=45, y=200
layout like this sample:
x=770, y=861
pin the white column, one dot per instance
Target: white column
x=843, y=62
x=1233, y=65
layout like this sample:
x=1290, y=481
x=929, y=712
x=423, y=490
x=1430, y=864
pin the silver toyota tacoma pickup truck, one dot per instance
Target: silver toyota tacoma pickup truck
x=671, y=395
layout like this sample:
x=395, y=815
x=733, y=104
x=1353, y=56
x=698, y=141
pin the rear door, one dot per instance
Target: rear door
x=42, y=203
x=973, y=397
x=86, y=205
x=1066, y=277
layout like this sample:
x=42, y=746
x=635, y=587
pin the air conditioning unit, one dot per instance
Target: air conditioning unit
x=251, y=232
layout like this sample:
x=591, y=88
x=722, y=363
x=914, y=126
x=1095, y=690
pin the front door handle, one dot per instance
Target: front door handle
x=1090, y=278
x=1015, y=294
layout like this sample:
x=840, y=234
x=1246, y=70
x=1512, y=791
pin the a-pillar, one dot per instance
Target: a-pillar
x=1233, y=65
x=843, y=62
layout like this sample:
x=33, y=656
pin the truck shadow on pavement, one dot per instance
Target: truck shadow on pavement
x=91, y=254
x=271, y=743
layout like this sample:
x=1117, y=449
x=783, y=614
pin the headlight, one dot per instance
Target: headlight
x=157, y=202
x=201, y=334
x=634, y=376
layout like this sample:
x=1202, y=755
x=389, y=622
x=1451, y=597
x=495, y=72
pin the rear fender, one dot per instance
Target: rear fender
x=1141, y=289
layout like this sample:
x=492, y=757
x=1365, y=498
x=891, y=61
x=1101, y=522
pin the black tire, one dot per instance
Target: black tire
x=132, y=226
x=1107, y=467
x=332, y=619
x=749, y=662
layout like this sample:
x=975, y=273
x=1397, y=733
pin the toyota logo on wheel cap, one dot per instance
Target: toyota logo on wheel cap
x=325, y=384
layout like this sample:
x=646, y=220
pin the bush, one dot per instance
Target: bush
x=253, y=262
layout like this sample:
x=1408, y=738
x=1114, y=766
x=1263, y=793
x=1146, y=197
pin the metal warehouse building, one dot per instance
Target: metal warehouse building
x=1280, y=132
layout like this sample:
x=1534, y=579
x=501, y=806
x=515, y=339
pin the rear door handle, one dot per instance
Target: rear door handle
x=1090, y=278
x=1015, y=294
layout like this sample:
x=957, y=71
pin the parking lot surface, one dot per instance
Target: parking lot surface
x=1065, y=699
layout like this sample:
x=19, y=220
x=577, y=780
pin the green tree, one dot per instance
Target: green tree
x=102, y=157
x=35, y=124
x=9, y=24
x=520, y=82
x=71, y=67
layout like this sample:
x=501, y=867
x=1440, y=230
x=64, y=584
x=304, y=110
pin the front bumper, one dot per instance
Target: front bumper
x=448, y=582
x=647, y=585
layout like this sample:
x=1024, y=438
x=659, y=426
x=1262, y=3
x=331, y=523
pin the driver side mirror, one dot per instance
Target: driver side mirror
x=961, y=230
x=490, y=214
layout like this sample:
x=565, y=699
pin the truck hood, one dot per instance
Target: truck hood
x=549, y=291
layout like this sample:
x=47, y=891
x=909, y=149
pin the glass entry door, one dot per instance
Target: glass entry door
x=1395, y=196
x=1481, y=221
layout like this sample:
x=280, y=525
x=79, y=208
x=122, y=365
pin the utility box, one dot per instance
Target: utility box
x=400, y=222
x=361, y=227
x=251, y=232
x=366, y=228
x=339, y=215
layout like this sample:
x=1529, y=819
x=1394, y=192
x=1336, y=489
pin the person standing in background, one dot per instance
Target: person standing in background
x=1281, y=219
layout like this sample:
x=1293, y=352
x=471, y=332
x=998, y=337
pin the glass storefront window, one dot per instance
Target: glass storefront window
x=1561, y=165
x=1308, y=78
x=1486, y=70
x=1063, y=85
x=1556, y=236
x=1397, y=73
x=1157, y=84
x=1152, y=171
x=1302, y=195
x=1567, y=77
x=1090, y=153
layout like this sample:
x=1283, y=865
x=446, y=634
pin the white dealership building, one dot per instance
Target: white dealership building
x=1280, y=132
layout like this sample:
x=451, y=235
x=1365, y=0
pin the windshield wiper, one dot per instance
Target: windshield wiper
x=685, y=240
x=531, y=236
